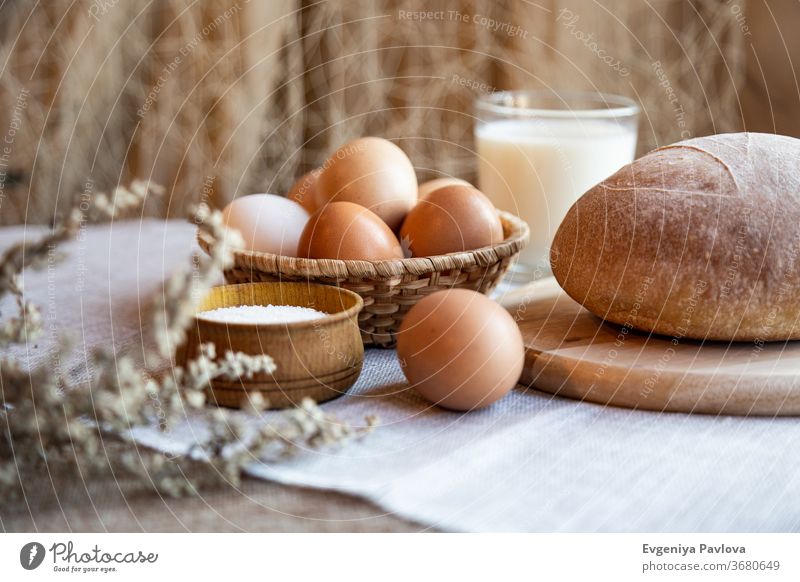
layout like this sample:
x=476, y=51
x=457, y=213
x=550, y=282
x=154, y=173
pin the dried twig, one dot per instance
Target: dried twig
x=49, y=422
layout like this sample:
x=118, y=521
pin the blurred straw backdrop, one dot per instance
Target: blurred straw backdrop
x=219, y=98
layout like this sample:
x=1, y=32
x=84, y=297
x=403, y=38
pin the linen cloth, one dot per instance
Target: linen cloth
x=531, y=462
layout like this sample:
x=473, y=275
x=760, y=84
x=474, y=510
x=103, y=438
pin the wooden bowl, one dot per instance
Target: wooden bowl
x=389, y=288
x=320, y=358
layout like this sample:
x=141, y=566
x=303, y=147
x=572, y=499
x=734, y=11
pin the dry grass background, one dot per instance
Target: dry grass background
x=244, y=96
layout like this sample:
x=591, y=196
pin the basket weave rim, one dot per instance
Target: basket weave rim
x=517, y=229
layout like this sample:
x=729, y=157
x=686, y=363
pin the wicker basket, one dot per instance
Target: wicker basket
x=389, y=288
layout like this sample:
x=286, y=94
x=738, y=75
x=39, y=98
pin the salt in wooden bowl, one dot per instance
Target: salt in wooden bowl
x=319, y=358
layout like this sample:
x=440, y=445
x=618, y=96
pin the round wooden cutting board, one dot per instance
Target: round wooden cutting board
x=572, y=353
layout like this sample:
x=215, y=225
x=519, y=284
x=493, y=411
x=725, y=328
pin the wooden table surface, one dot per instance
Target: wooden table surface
x=256, y=506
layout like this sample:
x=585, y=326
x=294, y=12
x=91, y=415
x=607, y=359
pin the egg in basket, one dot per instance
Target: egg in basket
x=361, y=222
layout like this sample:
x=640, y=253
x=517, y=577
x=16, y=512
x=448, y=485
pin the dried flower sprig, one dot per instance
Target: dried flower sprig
x=36, y=254
x=231, y=446
x=27, y=325
x=184, y=289
x=122, y=199
x=50, y=422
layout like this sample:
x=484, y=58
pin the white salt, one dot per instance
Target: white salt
x=262, y=314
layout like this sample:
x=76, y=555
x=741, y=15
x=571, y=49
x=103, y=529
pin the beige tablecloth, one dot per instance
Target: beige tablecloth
x=531, y=462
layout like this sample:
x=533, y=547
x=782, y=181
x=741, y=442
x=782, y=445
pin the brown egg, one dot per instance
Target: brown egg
x=268, y=223
x=427, y=187
x=343, y=230
x=460, y=349
x=374, y=173
x=304, y=190
x=451, y=219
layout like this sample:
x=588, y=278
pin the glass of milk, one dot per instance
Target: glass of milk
x=538, y=151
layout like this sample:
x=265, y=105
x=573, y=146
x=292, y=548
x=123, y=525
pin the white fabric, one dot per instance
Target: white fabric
x=532, y=462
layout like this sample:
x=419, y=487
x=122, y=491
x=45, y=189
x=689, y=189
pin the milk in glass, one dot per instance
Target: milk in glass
x=537, y=168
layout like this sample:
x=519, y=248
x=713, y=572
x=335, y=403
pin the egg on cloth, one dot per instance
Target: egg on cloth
x=343, y=230
x=267, y=223
x=372, y=172
x=304, y=190
x=452, y=219
x=431, y=185
x=460, y=349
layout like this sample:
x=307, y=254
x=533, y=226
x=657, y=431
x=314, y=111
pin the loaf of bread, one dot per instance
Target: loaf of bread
x=700, y=239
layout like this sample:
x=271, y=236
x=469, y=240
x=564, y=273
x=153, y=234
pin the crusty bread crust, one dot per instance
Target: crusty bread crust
x=699, y=239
